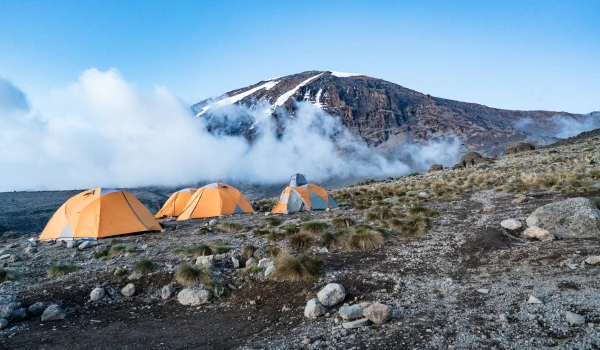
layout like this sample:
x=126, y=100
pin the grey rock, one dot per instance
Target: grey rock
x=511, y=224
x=72, y=244
x=85, y=245
x=535, y=232
x=534, y=300
x=5, y=256
x=206, y=260
x=574, y=217
x=351, y=312
x=194, y=296
x=135, y=275
x=18, y=314
x=378, y=313
x=37, y=308
x=324, y=250
x=3, y=323
x=593, y=260
x=331, y=294
x=97, y=294
x=236, y=262
x=269, y=270
x=14, y=258
x=574, y=319
x=167, y=292
x=363, y=322
x=213, y=223
x=483, y=291
x=251, y=263
x=128, y=290
x=314, y=309
x=53, y=313
x=30, y=249
x=264, y=263
x=6, y=310
x=503, y=318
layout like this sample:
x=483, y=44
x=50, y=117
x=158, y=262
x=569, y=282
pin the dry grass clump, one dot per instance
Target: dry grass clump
x=259, y=233
x=144, y=266
x=61, y=270
x=382, y=213
x=119, y=249
x=314, y=227
x=273, y=221
x=297, y=269
x=415, y=225
x=330, y=240
x=364, y=239
x=204, y=249
x=230, y=227
x=273, y=236
x=264, y=205
x=273, y=252
x=7, y=275
x=418, y=209
x=249, y=251
x=191, y=275
x=289, y=229
x=301, y=241
x=342, y=222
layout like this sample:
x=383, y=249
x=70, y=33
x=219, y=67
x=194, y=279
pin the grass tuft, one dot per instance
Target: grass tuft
x=144, y=266
x=230, y=227
x=364, y=239
x=329, y=240
x=416, y=225
x=204, y=249
x=119, y=249
x=314, y=227
x=273, y=221
x=597, y=202
x=289, y=229
x=342, y=222
x=61, y=270
x=301, y=241
x=7, y=275
x=190, y=275
x=297, y=269
x=419, y=209
x=249, y=251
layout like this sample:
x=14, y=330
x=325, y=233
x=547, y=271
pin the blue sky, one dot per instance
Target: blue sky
x=505, y=54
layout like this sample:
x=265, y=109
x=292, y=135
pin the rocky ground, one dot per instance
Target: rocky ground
x=464, y=283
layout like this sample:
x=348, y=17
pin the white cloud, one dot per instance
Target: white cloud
x=102, y=131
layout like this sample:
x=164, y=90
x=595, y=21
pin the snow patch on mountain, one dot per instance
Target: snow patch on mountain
x=281, y=100
x=344, y=74
x=235, y=98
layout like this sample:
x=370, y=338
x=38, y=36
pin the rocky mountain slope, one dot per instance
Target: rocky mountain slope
x=382, y=113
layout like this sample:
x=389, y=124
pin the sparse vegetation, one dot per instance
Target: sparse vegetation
x=273, y=221
x=597, y=203
x=273, y=236
x=342, y=222
x=313, y=227
x=418, y=209
x=297, y=269
x=101, y=254
x=289, y=229
x=274, y=252
x=204, y=249
x=230, y=227
x=144, y=266
x=190, y=275
x=301, y=241
x=122, y=249
x=381, y=213
x=61, y=270
x=259, y=233
x=329, y=239
x=120, y=271
x=415, y=225
x=364, y=239
x=253, y=270
x=7, y=275
x=249, y=251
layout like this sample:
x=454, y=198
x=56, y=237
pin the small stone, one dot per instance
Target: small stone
x=483, y=291
x=251, y=263
x=270, y=270
x=378, y=313
x=324, y=250
x=351, y=312
x=5, y=256
x=135, y=275
x=30, y=249
x=13, y=258
x=194, y=296
x=363, y=322
x=206, y=260
x=306, y=341
x=331, y=294
x=85, y=245
x=53, y=313
x=511, y=224
x=520, y=200
x=72, y=244
x=213, y=222
x=423, y=194
x=144, y=247
x=236, y=262
x=572, y=266
x=37, y=308
x=167, y=292
x=574, y=319
x=97, y=294
x=3, y=323
x=538, y=233
x=128, y=290
x=503, y=318
x=534, y=300
x=314, y=309
x=593, y=260
x=264, y=263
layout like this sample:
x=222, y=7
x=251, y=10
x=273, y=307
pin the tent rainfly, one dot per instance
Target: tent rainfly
x=300, y=195
x=214, y=200
x=175, y=205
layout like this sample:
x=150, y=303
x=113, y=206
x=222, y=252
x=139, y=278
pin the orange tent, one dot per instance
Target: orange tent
x=305, y=197
x=213, y=200
x=176, y=203
x=99, y=213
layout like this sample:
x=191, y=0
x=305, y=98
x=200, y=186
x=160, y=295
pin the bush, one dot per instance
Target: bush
x=204, y=249
x=329, y=240
x=7, y=275
x=364, y=239
x=380, y=214
x=297, y=269
x=230, y=227
x=289, y=229
x=120, y=271
x=61, y=270
x=301, y=241
x=273, y=236
x=144, y=266
x=419, y=209
x=342, y=222
x=258, y=233
x=274, y=252
x=414, y=226
x=273, y=221
x=190, y=275
x=101, y=254
x=314, y=227
x=249, y=251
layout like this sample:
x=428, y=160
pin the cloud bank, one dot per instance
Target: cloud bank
x=102, y=131
x=562, y=128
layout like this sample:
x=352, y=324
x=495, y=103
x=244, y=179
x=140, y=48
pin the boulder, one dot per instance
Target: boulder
x=53, y=313
x=3, y=323
x=436, y=167
x=471, y=159
x=351, y=312
x=378, y=313
x=37, y=308
x=593, y=260
x=269, y=270
x=206, y=260
x=264, y=263
x=314, y=309
x=18, y=314
x=538, y=233
x=571, y=218
x=511, y=224
x=167, y=292
x=128, y=290
x=251, y=263
x=194, y=296
x=331, y=294
x=97, y=294
x=363, y=322
x=574, y=319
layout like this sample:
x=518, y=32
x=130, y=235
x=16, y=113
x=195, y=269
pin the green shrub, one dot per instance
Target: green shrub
x=190, y=275
x=273, y=221
x=297, y=269
x=364, y=240
x=144, y=266
x=101, y=254
x=314, y=227
x=301, y=241
x=289, y=229
x=259, y=233
x=7, y=275
x=414, y=226
x=120, y=249
x=419, y=209
x=61, y=270
x=342, y=222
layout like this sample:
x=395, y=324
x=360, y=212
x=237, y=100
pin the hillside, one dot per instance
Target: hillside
x=382, y=113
